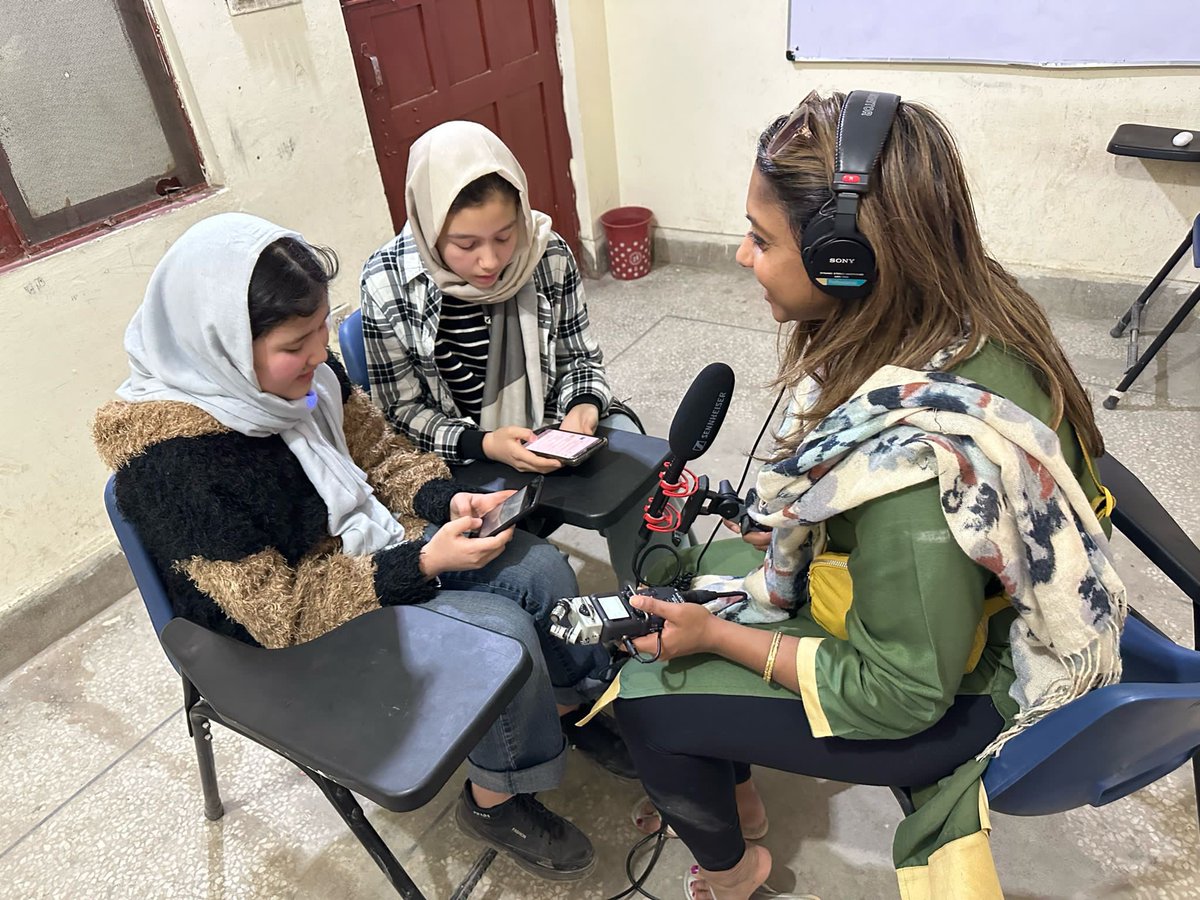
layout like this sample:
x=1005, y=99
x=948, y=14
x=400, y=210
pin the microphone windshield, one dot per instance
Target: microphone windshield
x=701, y=412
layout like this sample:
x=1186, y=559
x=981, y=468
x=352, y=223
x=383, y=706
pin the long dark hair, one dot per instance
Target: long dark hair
x=936, y=280
x=289, y=280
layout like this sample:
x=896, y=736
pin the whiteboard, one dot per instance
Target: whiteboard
x=1003, y=32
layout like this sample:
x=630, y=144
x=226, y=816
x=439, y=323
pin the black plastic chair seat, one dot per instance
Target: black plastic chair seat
x=373, y=705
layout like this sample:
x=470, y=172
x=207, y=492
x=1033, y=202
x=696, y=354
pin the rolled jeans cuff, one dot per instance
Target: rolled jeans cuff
x=544, y=776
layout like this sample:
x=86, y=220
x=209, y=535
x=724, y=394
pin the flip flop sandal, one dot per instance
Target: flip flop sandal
x=639, y=813
x=763, y=893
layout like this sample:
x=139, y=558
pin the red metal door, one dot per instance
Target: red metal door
x=424, y=62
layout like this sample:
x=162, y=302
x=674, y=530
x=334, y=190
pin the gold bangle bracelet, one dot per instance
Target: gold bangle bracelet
x=769, y=668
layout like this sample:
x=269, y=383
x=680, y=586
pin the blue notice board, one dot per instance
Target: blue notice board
x=1002, y=32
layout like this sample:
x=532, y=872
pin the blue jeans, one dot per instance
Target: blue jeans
x=532, y=574
x=524, y=751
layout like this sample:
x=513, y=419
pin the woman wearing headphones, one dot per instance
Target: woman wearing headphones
x=936, y=578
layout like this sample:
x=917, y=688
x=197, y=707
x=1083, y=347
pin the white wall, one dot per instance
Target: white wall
x=276, y=107
x=693, y=82
x=587, y=93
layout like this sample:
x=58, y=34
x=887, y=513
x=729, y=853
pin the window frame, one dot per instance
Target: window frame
x=23, y=237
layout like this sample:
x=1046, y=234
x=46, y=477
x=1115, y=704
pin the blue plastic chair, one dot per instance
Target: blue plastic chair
x=354, y=351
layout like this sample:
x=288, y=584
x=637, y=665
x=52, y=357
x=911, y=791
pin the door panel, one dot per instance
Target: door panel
x=423, y=62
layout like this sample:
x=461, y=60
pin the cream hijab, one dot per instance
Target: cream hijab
x=190, y=341
x=442, y=162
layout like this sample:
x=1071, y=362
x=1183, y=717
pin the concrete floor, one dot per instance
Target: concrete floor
x=103, y=798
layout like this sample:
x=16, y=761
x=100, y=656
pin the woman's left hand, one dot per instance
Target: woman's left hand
x=689, y=628
x=582, y=418
x=475, y=505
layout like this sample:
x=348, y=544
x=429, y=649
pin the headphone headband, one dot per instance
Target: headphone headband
x=863, y=128
x=837, y=257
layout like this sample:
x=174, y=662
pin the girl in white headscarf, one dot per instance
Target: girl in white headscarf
x=474, y=320
x=278, y=503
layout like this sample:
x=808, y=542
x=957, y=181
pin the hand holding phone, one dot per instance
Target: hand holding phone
x=569, y=447
x=513, y=510
x=454, y=549
x=508, y=445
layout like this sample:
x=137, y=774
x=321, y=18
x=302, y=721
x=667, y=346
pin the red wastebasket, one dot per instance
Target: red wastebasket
x=627, y=229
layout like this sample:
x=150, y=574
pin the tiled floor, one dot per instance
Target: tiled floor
x=103, y=798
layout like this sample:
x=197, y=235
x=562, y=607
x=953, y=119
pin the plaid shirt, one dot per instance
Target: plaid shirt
x=401, y=306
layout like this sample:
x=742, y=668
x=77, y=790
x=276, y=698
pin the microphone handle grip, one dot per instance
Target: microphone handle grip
x=670, y=475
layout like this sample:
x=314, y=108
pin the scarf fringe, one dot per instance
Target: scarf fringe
x=1087, y=672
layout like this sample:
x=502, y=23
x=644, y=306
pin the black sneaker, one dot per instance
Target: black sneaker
x=601, y=740
x=538, y=840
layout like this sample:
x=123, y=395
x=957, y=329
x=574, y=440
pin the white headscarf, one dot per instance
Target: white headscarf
x=442, y=162
x=190, y=341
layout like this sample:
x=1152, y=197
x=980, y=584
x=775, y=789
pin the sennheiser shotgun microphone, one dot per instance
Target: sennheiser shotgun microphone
x=696, y=423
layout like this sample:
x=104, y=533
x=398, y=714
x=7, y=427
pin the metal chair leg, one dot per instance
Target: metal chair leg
x=1140, y=303
x=352, y=814
x=200, y=728
x=1115, y=395
x=463, y=891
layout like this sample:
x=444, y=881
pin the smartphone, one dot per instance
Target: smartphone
x=570, y=447
x=512, y=510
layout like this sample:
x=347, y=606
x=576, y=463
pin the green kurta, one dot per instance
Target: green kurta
x=918, y=600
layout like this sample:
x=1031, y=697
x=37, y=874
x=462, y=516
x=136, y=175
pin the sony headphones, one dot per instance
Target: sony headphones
x=839, y=260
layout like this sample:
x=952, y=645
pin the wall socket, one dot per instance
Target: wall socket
x=241, y=7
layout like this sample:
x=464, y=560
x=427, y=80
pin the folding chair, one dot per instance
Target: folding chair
x=387, y=705
x=1152, y=142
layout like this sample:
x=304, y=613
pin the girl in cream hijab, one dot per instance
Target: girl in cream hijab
x=475, y=323
x=474, y=319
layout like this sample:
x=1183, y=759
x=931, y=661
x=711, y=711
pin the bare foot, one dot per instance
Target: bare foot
x=751, y=813
x=738, y=883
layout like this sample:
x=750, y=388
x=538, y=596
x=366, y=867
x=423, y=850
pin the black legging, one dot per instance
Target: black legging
x=691, y=749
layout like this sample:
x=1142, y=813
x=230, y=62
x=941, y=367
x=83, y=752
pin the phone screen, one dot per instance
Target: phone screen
x=495, y=520
x=562, y=444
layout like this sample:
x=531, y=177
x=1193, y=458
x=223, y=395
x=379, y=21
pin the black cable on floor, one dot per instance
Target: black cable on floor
x=635, y=882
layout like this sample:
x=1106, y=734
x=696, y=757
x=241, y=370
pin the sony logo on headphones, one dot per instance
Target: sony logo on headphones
x=841, y=259
x=869, y=106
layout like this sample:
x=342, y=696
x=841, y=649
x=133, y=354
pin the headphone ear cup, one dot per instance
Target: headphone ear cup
x=842, y=267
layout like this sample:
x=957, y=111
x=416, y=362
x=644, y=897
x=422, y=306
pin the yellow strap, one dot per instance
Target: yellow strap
x=1106, y=502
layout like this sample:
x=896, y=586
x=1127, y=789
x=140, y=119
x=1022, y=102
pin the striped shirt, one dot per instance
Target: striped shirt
x=461, y=352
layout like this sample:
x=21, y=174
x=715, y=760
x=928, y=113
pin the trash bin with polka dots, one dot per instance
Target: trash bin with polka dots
x=627, y=229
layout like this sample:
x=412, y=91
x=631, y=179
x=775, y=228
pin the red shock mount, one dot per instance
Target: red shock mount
x=671, y=517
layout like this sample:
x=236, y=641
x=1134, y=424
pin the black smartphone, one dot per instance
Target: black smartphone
x=571, y=447
x=512, y=510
